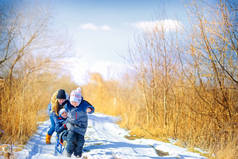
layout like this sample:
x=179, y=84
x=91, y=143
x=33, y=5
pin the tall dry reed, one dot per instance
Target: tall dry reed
x=181, y=90
x=24, y=104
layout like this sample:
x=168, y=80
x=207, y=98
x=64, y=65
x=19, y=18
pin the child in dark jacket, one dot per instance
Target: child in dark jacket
x=60, y=126
x=60, y=121
x=77, y=122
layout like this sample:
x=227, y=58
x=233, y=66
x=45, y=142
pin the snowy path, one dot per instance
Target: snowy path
x=105, y=140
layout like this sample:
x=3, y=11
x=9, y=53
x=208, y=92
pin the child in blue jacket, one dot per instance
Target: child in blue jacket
x=60, y=124
x=77, y=122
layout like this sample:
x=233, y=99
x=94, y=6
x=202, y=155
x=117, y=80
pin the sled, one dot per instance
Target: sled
x=59, y=148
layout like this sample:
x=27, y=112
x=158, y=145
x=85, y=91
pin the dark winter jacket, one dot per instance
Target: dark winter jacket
x=77, y=120
x=60, y=123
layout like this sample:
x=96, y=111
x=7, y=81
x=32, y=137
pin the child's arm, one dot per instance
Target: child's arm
x=61, y=128
x=57, y=124
x=90, y=109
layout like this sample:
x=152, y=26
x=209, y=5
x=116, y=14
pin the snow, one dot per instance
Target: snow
x=105, y=139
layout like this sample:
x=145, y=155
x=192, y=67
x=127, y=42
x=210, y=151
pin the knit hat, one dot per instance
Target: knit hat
x=61, y=94
x=79, y=90
x=62, y=111
x=75, y=96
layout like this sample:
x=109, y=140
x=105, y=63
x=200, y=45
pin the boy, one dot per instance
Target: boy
x=77, y=122
x=60, y=121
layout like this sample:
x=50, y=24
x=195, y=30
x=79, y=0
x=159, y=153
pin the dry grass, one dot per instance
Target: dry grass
x=29, y=61
x=194, y=101
x=23, y=104
x=230, y=151
x=182, y=91
x=189, y=118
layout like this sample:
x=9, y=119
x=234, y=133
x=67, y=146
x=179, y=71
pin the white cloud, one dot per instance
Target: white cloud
x=167, y=25
x=105, y=28
x=91, y=26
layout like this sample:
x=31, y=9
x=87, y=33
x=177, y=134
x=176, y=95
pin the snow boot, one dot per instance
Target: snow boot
x=65, y=143
x=78, y=156
x=47, y=139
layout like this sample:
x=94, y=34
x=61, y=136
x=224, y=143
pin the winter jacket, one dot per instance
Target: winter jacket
x=60, y=123
x=77, y=120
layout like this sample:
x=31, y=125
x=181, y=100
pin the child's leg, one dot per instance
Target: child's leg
x=50, y=131
x=52, y=126
x=64, y=136
x=79, y=145
x=71, y=140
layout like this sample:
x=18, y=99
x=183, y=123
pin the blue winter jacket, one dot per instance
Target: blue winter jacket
x=77, y=120
x=59, y=123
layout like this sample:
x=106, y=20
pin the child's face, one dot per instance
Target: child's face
x=75, y=104
x=64, y=114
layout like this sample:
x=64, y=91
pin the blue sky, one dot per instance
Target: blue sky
x=117, y=16
x=101, y=31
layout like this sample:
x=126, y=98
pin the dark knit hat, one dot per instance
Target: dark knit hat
x=61, y=94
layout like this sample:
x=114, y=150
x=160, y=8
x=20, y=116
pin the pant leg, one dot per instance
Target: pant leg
x=52, y=126
x=79, y=145
x=71, y=142
x=64, y=135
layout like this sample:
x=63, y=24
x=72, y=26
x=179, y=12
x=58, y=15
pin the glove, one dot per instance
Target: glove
x=89, y=109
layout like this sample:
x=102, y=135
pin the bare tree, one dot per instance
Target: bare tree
x=29, y=51
x=212, y=53
x=26, y=37
x=155, y=60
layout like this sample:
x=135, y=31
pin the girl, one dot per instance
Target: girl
x=57, y=102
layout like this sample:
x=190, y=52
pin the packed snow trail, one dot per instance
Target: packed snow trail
x=104, y=140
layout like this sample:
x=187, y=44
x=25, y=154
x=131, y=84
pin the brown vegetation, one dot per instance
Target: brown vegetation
x=27, y=55
x=183, y=90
